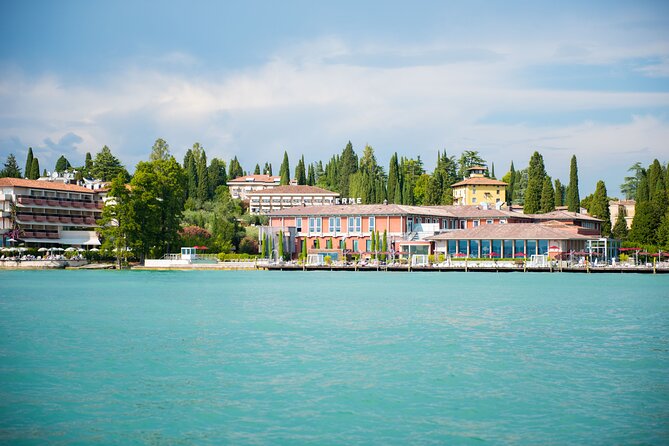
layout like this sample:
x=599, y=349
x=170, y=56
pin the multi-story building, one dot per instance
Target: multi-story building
x=479, y=190
x=616, y=206
x=240, y=187
x=340, y=229
x=44, y=213
x=272, y=199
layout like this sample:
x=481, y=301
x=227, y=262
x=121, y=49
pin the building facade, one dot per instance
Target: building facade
x=240, y=187
x=44, y=213
x=615, y=208
x=479, y=190
x=272, y=199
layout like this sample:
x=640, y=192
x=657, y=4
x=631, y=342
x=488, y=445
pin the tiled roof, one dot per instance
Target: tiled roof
x=562, y=215
x=474, y=211
x=513, y=231
x=481, y=181
x=255, y=179
x=20, y=182
x=294, y=190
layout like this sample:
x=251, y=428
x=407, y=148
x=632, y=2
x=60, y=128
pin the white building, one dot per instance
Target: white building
x=263, y=201
x=48, y=213
x=240, y=187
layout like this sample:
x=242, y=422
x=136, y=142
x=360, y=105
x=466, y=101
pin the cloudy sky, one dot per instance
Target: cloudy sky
x=252, y=79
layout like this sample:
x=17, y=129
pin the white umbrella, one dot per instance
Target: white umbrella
x=5, y=249
x=70, y=249
x=81, y=249
x=42, y=250
x=23, y=249
x=94, y=250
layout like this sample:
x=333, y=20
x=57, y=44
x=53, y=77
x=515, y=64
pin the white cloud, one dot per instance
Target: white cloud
x=312, y=98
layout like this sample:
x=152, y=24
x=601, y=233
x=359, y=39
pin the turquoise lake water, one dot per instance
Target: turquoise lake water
x=106, y=357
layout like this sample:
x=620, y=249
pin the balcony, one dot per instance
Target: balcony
x=25, y=200
x=51, y=235
x=64, y=203
x=39, y=201
x=52, y=202
x=52, y=218
x=39, y=217
x=89, y=205
x=77, y=220
x=64, y=219
x=24, y=217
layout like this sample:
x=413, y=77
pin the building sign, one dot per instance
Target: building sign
x=349, y=200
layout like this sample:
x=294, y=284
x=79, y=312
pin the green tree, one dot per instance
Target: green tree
x=547, y=196
x=62, y=164
x=267, y=170
x=256, y=171
x=107, y=167
x=469, y=158
x=29, y=163
x=300, y=172
x=202, y=175
x=11, y=168
x=217, y=175
x=34, y=170
x=663, y=232
x=394, y=184
x=384, y=244
x=573, y=198
x=235, y=170
x=160, y=150
x=647, y=218
x=280, y=246
x=535, y=180
x=348, y=165
x=311, y=175
x=559, y=193
x=599, y=208
x=284, y=172
x=88, y=164
x=116, y=220
x=510, y=178
x=421, y=190
x=619, y=231
x=629, y=187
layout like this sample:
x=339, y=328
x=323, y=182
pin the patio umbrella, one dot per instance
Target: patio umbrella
x=81, y=249
x=519, y=254
x=94, y=250
x=42, y=249
x=493, y=254
x=460, y=254
x=581, y=253
x=70, y=249
x=23, y=249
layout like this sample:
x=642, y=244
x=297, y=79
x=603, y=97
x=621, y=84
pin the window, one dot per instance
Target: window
x=485, y=248
x=474, y=200
x=474, y=249
x=354, y=224
x=462, y=246
x=488, y=222
x=368, y=246
x=463, y=224
x=531, y=247
x=497, y=191
x=334, y=224
x=298, y=224
x=410, y=224
x=342, y=244
x=520, y=247
x=452, y=248
x=476, y=223
x=314, y=224
x=508, y=249
x=372, y=224
x=543, y=246
x=355, y=245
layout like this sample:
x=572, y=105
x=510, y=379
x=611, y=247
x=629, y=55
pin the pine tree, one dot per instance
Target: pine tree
x=62, y=164
x=217, y=175
x=645, y=224
x=348, y=165
x=34, y=170
x=235, y=170
x=643, y=191
x=11, y=168
x=29, y=164
x=536, y=174
x=280, y=247
x=599, y=208
x=573, y=198
x=106, y=166
x=256, y=171
x=284, y=172
x=547, y=196
x=88, y=164
x=619, y=231
x=492, y=172
x=511, y=181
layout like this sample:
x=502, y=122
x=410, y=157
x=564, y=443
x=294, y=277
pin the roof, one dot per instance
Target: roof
x=255, y=179
x=295, y=190
x=397, y=209
x=563, y=215
x=512, y=231
x=20, y=182
x=480, y=180
x=477, y=168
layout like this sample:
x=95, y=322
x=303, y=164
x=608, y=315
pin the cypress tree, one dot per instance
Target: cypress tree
x=559, y=193
x=547, y=196
x=599, y=208
x=492, y=172
x=573, y=198
x=311, y=176
x=642, y=190
x=619, y=231
x=256, y=171
x=202, y=177
x=300, y=172
x=654, y=175
x=284, y=172
x=511, y=187
x=88, y=164
x=191, y=174
x=303, y=253
x=394, y=191
x=29, y=164
x=535, y=181
x=384, y=243
x=373, y=243
x=34, y=170
x=645, y=224
x=280, y=247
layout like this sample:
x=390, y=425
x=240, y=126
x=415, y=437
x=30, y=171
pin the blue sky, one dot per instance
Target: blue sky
x=252, y=79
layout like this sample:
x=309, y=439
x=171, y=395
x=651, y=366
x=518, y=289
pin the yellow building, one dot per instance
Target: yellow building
x=477, y=189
